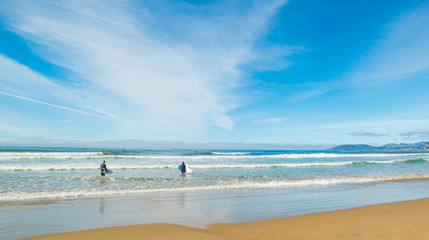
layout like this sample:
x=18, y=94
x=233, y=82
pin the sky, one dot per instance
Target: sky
x=299, y=73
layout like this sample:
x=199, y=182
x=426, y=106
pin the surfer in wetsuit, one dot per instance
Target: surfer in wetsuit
x=103, y=168
x=183, y=168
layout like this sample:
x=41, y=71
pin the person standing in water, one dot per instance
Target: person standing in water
x=182, y=168
x=103, y=168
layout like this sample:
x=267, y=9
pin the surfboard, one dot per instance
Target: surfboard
x=108, y=171
x=188, y=170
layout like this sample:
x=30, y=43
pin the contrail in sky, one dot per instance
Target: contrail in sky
x=52, y=105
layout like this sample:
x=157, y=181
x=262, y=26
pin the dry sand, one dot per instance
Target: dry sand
x=401, y=220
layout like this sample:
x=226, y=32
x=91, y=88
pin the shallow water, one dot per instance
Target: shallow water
x=32, y=174
x=196, y=208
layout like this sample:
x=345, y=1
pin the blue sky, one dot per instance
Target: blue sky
x=302, y=72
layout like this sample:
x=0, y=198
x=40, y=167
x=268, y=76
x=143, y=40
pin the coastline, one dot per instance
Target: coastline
x=62, y=192
x=399, y=220
x=196, y=210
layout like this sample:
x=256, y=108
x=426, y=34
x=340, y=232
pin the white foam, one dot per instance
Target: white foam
x=99, y=155
x=49, y=155
x=61, y=166
x=21, y=196
x=231, y=153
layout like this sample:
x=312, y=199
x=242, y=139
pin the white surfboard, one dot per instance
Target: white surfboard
x=108, y=171
x=188, y=170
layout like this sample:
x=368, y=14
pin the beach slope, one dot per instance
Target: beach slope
x=400, y=220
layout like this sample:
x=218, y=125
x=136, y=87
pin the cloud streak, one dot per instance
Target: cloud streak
x=417, y=134
x=150, y=72
x=20, y=81
x=392, y=124
x=50, y=104
x=366, y=134
x=270, y=121
x=401, y=52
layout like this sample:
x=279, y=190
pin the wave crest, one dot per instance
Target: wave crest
x=90, y=166
x=212, y=156
x=22, y=196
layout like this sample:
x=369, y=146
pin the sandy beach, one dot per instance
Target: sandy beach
x=399, y=220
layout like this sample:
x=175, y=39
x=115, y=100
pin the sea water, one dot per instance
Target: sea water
x=28, y=174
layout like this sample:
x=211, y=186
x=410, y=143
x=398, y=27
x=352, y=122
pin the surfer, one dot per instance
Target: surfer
x=182, y=168
x=103, y=168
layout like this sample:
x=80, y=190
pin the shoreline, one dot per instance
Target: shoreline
x=196, y=209
x=398, y=220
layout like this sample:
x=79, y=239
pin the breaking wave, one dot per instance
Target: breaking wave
x=57, y=194
x=214, y=155
x=61, y=166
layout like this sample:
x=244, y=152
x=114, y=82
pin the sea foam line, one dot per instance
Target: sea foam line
x=99, y=155
x=22, y=196
x=89, y=166
x=231, y=153
x=49, y=155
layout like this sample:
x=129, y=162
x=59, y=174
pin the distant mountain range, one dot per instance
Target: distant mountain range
x=420, y=146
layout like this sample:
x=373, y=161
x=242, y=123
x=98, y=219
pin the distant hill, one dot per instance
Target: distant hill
x=420, y=146
x=354, y=147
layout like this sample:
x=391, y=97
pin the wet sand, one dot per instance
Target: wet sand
x=400, y=220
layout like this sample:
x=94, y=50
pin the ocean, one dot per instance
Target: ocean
x=34, y=174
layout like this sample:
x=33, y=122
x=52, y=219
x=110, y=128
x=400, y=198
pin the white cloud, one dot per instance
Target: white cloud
x=391, y=124
x=19, y=81
x=270, y=121
x=367, y=134
x=153, y=68
x=418, y=134
x=50, y=104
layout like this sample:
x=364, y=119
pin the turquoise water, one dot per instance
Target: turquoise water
x=51, y=190
x=66, y=173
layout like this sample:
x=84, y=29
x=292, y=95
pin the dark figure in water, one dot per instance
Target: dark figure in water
x=183, y=167
x=103, y=168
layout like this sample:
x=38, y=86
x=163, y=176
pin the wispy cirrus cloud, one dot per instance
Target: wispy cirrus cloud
x=270, y=121
x=21, y=82
x=149, y=65
x=402, y=51
x=50, y=104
